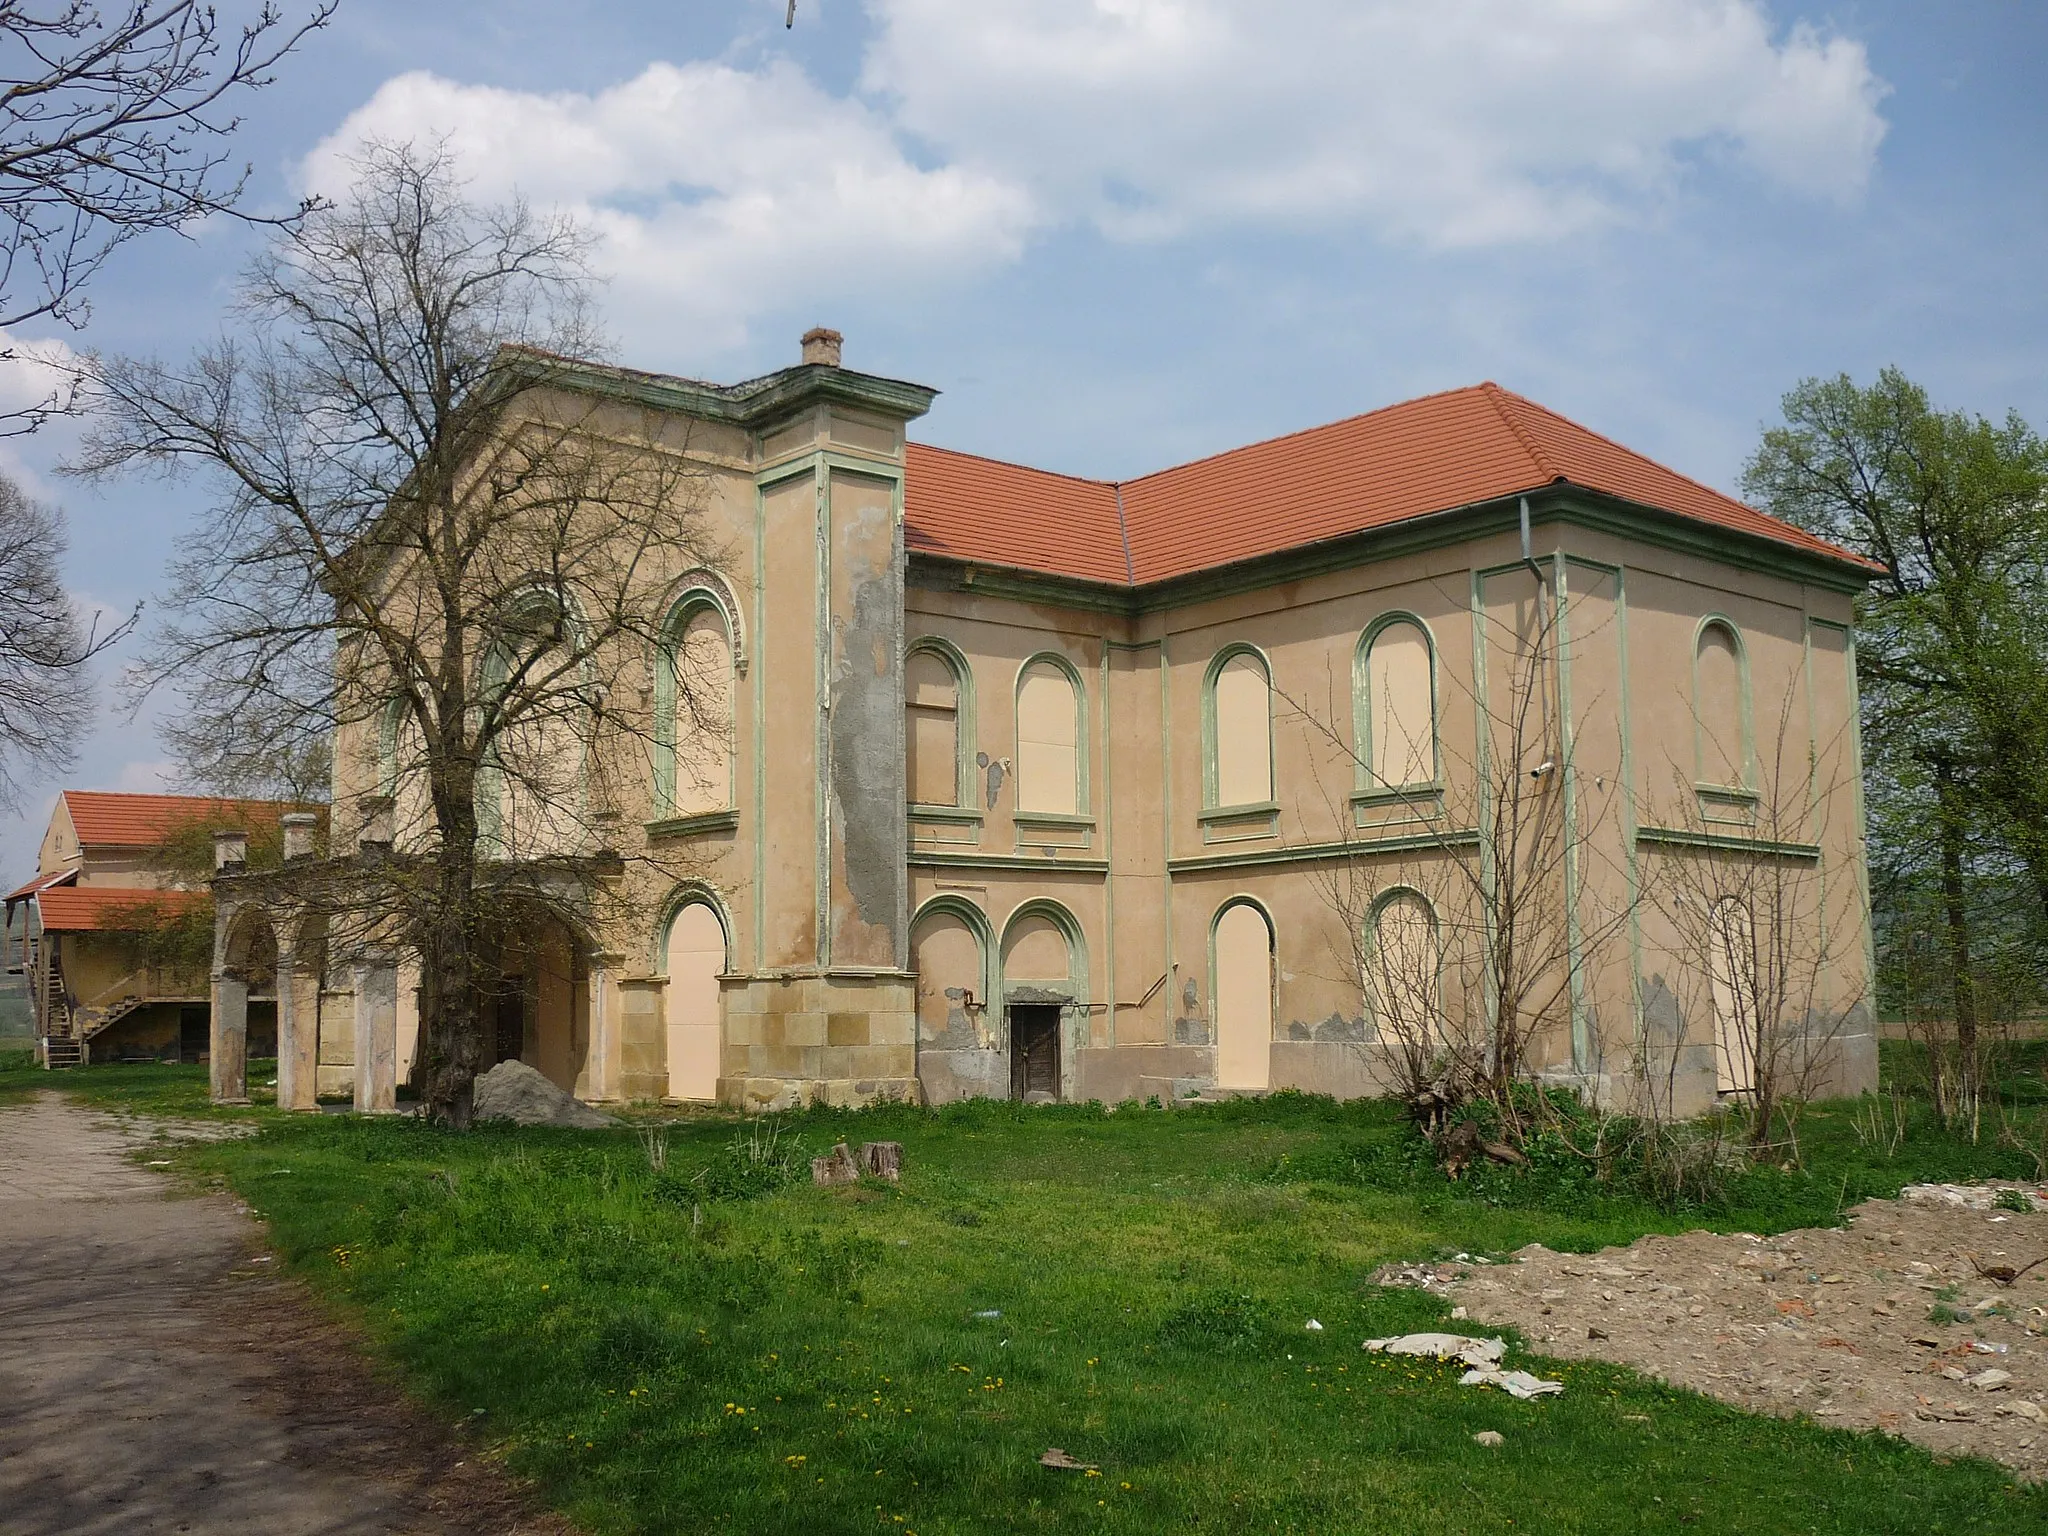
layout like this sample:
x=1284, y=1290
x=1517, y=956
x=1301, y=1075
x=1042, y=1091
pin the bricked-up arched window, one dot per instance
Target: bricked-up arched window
x=693, y=710
x=1396, y=705
x=1720, y=705
x=1049, y=740
x=1404, y=970
x=931, y=727
x=1242, y=986
x=1239, y=729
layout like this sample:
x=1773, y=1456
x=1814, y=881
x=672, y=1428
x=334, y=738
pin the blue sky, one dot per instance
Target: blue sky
x=1121, y=233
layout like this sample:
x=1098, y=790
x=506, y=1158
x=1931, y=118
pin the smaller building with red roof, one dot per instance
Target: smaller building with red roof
x=114, y=931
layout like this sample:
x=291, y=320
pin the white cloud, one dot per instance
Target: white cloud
x=721, y=191
x=716, y=191
x=1453, y=123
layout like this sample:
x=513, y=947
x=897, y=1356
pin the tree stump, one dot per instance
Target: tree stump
x=836, y=1167
x=882, y=1159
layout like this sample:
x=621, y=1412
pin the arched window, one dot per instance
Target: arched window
x=401, y=772
x=1720, y=706
x=949, y=952
x=1238, y=713
x=533, y=802
x=694, y=951
x=1731, y=964
x=932, y=721
x=1396, y=704
x=1404, y=967
x=1242, y=953
x=693, y=697
x=1048, y=740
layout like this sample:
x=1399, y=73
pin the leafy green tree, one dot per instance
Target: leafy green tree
x=1952, y=639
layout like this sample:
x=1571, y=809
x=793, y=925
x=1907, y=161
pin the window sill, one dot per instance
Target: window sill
x=919, y=812
x=1051, y=819
x=1399, y=810
x=1430, y=792
x=690, y=826
x=1234, y=812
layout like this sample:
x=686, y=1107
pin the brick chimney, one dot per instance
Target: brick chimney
x=822, y=346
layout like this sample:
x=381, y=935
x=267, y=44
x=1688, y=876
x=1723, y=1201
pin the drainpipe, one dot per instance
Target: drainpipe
x=1528, y=558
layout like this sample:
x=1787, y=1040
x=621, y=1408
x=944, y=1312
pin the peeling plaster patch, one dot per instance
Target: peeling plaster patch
x=1340, y=1029
x=867, y=770
x=1661, y=1019
x=996, y=770
x=1191, y=1031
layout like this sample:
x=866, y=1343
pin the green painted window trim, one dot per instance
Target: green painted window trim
x=1361, y=707
x=940, y=858
x=1380, y=902
x=1684, y=837
x=1313, y=853
x=703, y=821
x=1256, y=808
x=1418, y=794
x=1049, y=819
x=959, y=813
x=950, y=905
x=1082, y=735
x=964, y=727
x=1077, y=978
x=1746, y=724
x=389, y=720
x=493, y=673
x=689, y=893
x=1246, y=899
x=698, y=597
x=1217, y=663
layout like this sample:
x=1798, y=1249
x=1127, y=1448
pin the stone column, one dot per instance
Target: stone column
x=376, y=1021
x=298, y=1034
x=602, y=1061
x=228, y=1049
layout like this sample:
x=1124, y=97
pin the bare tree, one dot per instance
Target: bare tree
x=1473, y=937
x=45, y=692
x=114, y=122
x=422, y=546
x=1775, y=936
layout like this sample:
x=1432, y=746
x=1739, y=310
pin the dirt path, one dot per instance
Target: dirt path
x=1886, y=1323
x=156, y=1377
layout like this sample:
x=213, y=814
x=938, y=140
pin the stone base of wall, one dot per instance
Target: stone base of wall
x=1116, y=1074
x=945, y=1076
x=841, y=1038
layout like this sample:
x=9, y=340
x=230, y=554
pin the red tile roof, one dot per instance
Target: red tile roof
x=78, y=908
x=1434, y=454
x=41, y=882
x=105, y=820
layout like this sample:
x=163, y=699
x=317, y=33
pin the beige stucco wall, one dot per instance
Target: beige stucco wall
x=1150, y=864
x=833, y=989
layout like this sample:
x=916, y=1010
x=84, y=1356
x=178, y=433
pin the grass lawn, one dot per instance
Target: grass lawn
x=670, y=1353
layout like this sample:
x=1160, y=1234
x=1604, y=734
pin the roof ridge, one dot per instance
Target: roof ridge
x=1497, y=398
x=1031, y=469
x=1123, y=527
x=1321, y=426
x=1635, y=453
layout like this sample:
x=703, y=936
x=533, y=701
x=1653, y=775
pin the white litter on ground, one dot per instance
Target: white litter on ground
x=1481, y=1356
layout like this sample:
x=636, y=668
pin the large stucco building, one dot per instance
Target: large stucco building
x=1031, y=785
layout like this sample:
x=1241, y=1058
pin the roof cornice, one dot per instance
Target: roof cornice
x=752, y=404
x=1562, y=502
